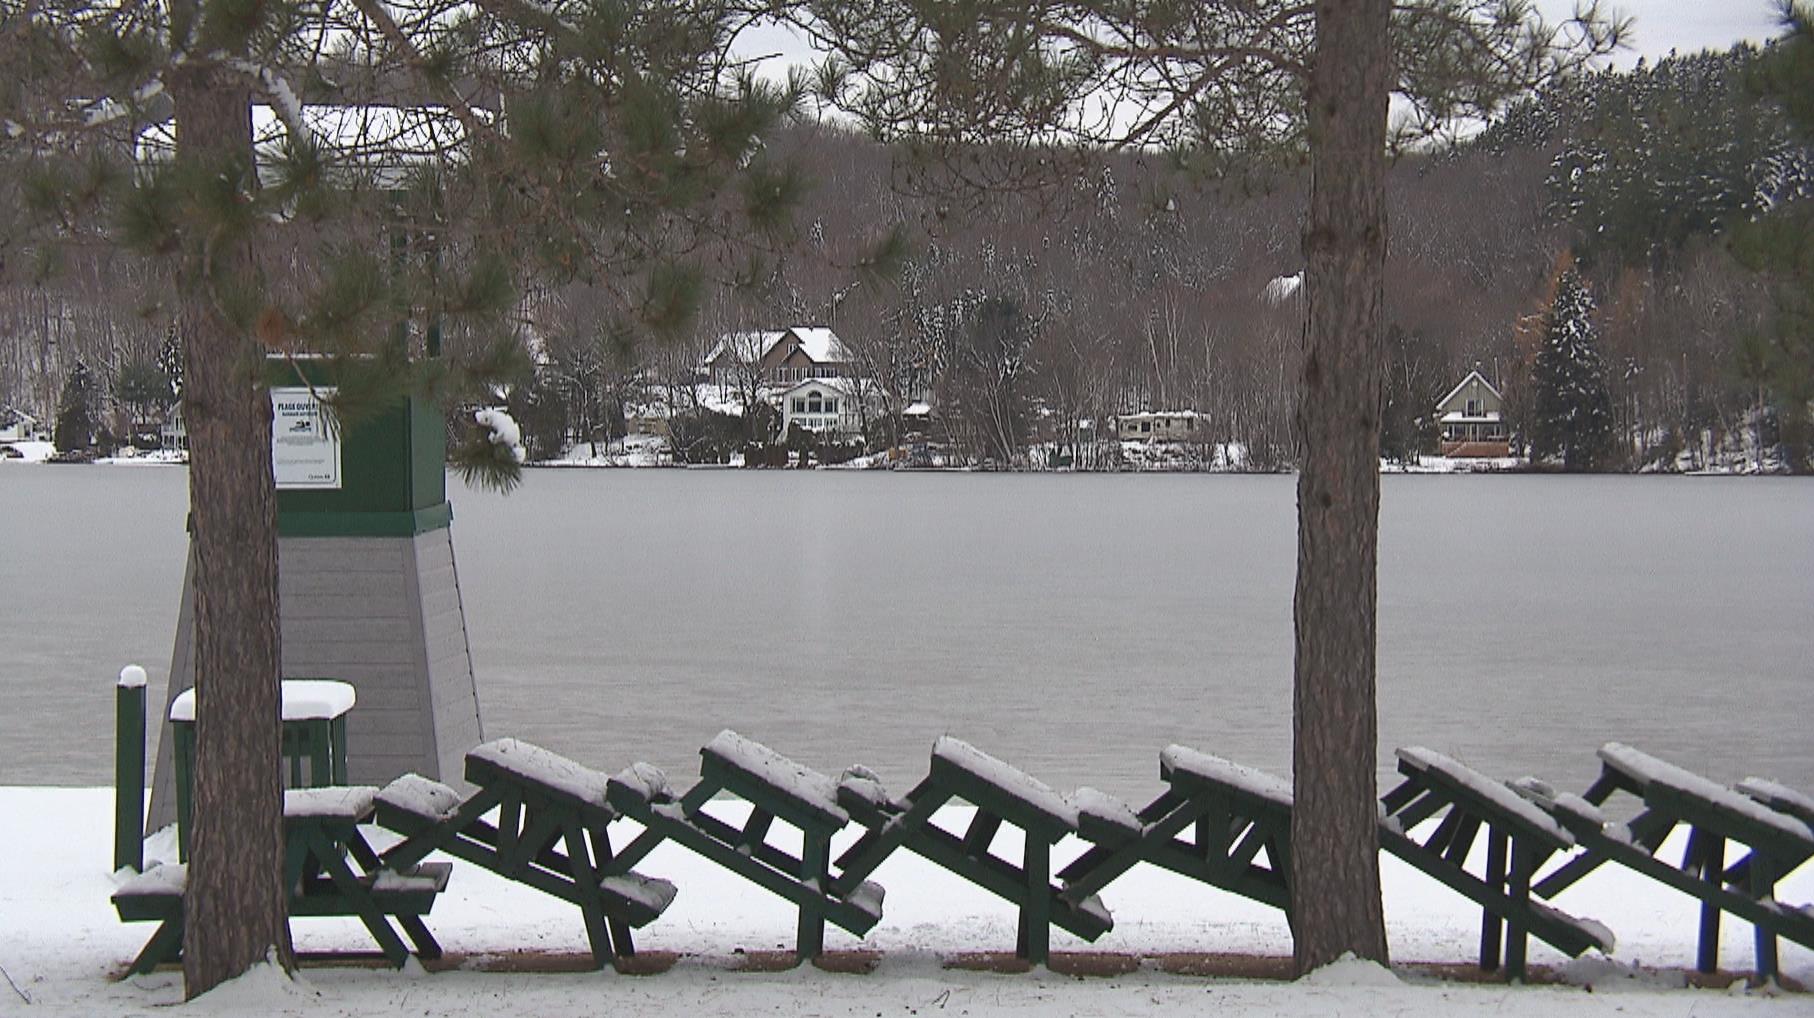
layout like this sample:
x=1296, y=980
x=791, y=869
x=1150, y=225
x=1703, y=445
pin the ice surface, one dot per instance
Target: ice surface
x=1004, y=776
x=544, y=767
x=794, y=779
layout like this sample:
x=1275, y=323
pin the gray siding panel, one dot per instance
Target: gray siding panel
x=384, y=614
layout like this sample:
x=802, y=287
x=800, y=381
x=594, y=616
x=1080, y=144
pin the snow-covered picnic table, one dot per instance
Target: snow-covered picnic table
x=330, y=869
x=1770, y=821
x=551, y=833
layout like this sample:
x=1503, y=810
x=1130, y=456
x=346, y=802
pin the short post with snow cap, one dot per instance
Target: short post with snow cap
x=129, y=770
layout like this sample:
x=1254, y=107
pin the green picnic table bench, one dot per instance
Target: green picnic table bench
x=1232, y=814
x=1519, y=840
x=330, y=870
x=551, y=833
x=1770, y=822
x=775, y=788
x=1001, y=794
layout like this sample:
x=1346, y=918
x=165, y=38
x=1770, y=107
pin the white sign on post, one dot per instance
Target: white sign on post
x=305, y=447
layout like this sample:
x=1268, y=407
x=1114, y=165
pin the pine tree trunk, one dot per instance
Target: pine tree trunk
x=1334, y=827
x=235, y=904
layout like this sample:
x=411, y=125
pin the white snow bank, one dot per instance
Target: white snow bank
x=1350, y=971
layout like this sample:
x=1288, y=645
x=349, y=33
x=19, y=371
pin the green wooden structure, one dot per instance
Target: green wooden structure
x=331, y=870
x=1519, y=840
x=775, y=788
x=1001, y=794
x=551, y=834
x=1770, y=826
x=392, y=479
x=129, y=770
x=313, y=741
x=1230, y=827
x=1238, y=821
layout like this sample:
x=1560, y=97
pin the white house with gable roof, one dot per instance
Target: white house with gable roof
x=1472, y=417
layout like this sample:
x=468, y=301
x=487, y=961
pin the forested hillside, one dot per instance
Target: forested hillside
x=1137, y=283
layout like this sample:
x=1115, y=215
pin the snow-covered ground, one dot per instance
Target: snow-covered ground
x=62, y=949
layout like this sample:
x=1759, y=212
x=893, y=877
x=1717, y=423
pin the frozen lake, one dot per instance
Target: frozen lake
x=1073, y=624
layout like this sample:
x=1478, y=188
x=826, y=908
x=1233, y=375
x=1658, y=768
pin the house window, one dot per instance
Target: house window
x=831, y=406
x=1473, y=408
x=813, y=403
x=799, y=405
x=1146, y=426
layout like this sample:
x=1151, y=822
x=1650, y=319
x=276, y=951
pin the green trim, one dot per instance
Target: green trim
x=407, y=523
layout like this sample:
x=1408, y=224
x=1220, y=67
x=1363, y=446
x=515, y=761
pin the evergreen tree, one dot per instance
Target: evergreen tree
x=1572, y=418
x=76, y=410
x=146, y=392
x=481, y=147
x=1779, y=361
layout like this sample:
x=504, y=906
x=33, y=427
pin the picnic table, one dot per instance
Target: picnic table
x=551, y=833
x=776, y=788
x=330, y=870
x=1230, y=826
x=1770, y=824
x=1001, y=794
x=313, y=741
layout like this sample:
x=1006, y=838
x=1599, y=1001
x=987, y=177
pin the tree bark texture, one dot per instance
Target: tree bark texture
x=1334, y=828
x=234, y=905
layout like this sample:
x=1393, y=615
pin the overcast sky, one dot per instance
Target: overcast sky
x=1658, y=27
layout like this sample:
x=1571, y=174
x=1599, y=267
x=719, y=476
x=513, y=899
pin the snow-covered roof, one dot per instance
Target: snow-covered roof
x=1155, y=415
x=918, y=409
x=1457, y=417
x=746, y=346
x=822, y=345
x=1471, y=376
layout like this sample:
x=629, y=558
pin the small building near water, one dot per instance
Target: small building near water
x=1472, y=419
x=1161, y=426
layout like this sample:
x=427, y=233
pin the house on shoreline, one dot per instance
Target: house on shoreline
x=1472, y=418
x=1161, y=426
x=777, y=359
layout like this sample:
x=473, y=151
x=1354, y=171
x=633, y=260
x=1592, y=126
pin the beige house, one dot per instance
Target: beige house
x=1472, y=418
x=1161, y=426
x=777, y=358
